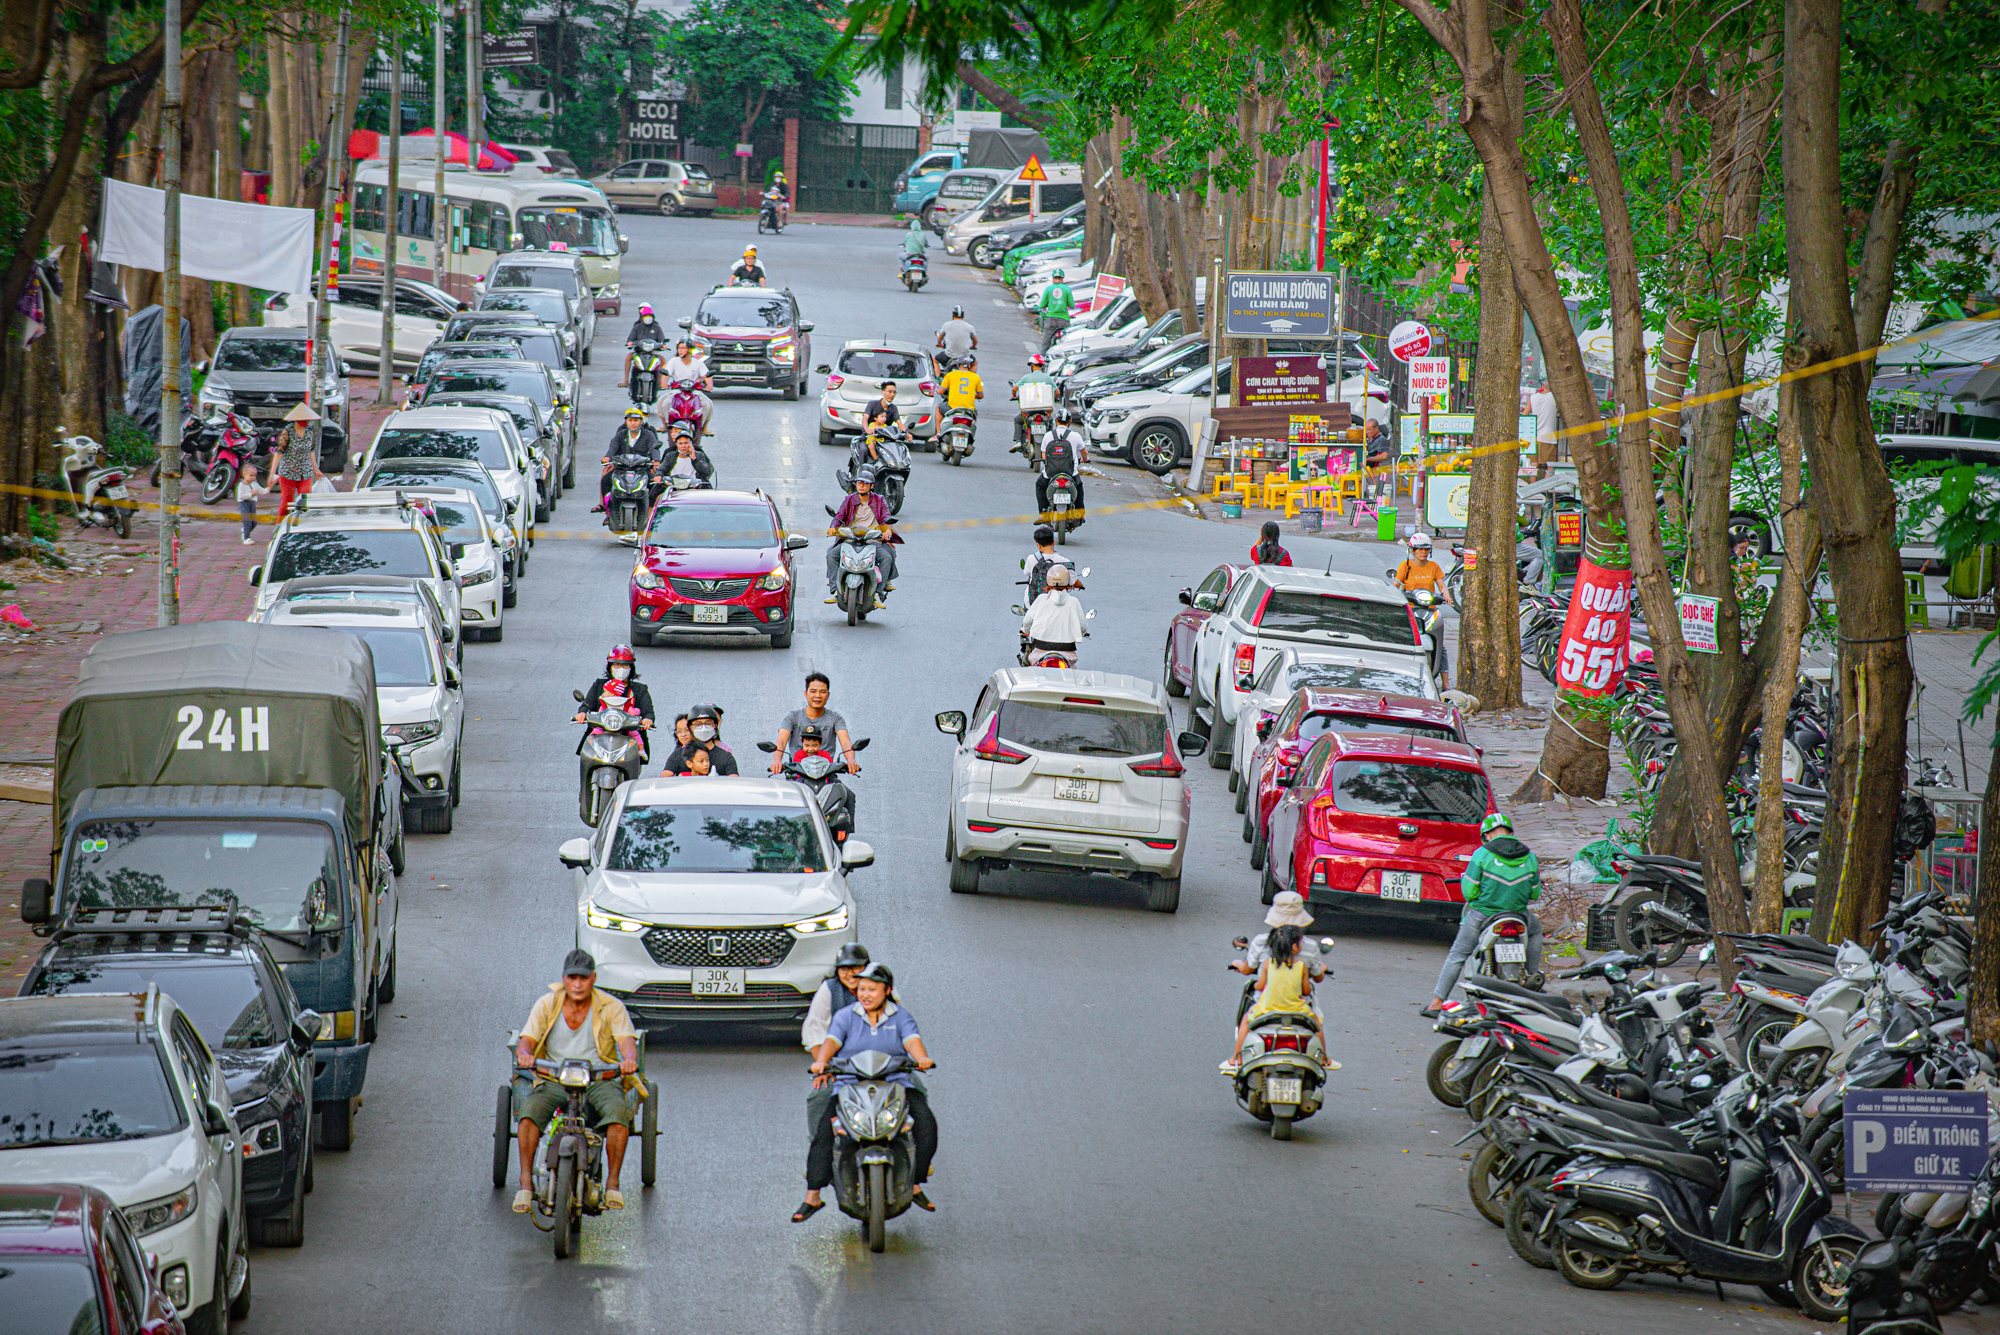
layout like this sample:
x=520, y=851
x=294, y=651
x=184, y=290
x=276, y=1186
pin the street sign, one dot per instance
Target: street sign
x=514, y=48
x=1430, y=378
x=1914, y=1139
x=1109, y=285
x=1294, y=379
x=1033, y=171
x=1698, y=624
x=655, y=120
x=1280, y=305
x=1408, y=340
x=745, y=150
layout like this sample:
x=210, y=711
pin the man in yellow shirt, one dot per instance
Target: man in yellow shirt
x=1420, y=572
x=963, y=390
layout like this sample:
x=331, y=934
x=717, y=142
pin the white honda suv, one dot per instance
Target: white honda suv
x=713, y=899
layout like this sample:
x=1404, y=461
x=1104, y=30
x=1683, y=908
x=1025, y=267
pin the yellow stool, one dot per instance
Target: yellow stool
x=1222, y=482
x=1322, y=494
x=1277, y=490
x=1349, y=484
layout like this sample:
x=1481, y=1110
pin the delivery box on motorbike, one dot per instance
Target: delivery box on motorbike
x=1037, y=396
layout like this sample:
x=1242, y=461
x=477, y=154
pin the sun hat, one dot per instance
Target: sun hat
x=301, y=413
x=1288, y=909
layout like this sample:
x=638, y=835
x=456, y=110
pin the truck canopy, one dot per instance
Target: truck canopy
x=1006, y=148
x=224, y=703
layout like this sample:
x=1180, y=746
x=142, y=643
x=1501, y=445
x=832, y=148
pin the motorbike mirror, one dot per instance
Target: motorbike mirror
x=1019, y=610
x=822, y=369
x=256, y=575
x=855, y=854
x=1091, y=615
x=769, y=748
x=1707, y=953
x=576, y=695
x=1083, y=573
x=953, y=722
x=1241, y=943
x=829, y=512
x=1191, y=743
x=1326, y=945
x=685, y=321
x=861, y=744
x=794, y=541
x=574, y=853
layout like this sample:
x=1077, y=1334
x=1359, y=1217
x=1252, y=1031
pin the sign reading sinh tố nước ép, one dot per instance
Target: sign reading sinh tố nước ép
x=1280, y=305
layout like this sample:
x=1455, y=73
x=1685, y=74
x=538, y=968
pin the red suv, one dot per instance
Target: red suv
x=1310, y=714
x=714, y=563
x=69, y=1262
x=1379, y=822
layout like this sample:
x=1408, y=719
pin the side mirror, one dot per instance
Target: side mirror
x=685, y=322
x=768, y=748
x=357, y=461
x=822, y=369
x=1191, y=743
x=456, y=551
x=805, y=326
x=1264, y=729
x=1187, y=597
x=513, y=504
x=569, y=363
x=574, y=853
x=452, y=679
x=213, y=1121
x=445, y=570
x=624, y=244
x=951, y=721
x=305, y=1029
x=37, y=897
x=794, y=541
x=345, y=369
x=577, y=696
x=855, y=854
x=256, y=575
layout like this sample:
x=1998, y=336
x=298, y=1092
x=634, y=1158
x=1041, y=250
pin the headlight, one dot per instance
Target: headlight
x=611, y=922
x=152, y=1216
x=479, y=577
x=608, y=290
x=1111, y=415
x=174, y=1283
x=774, y=581
x=835, y=921
x=783, y=351
x=263, y=1138
x=334, y=1026
x=646, y=579
x=216, y=394
x=408, y=733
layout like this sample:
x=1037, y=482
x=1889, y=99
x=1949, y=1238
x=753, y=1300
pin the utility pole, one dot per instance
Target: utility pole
x=170, y=332
x=392, y=199
x=440, y=211
x=329, y=239
x=475, y=119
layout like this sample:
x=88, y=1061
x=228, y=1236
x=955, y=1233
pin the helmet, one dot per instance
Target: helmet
x=1036, y=359
x=958, y=312
x=878, y=972
x=1057, y=275
x=1059, y=577
x=1063, y=414
x=615, y=688
x=710, y=712
x=866, y=473
x=1419, y=540
x=775, y=177
x=620, y=653
x=852, y=955
x=635, y=411
x=812, y=732
x=645, y=309
x=749, y=252
x=1496, y=821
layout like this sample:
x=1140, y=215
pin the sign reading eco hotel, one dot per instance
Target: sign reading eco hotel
x=1280, y=305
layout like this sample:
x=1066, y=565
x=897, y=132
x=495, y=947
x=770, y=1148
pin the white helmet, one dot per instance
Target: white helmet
x=1419, y=540
x=1058, y=577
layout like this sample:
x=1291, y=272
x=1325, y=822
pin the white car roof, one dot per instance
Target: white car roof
x=745, y=790
x=456, y=414
x=302, y=612
x=1020, y=682
x=1339, y=583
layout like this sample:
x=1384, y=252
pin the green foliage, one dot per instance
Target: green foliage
x=1968, y=500
x=749, y=59
x=128, y=444
x=43, y=524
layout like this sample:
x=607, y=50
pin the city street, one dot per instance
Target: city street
x=1094, y=1172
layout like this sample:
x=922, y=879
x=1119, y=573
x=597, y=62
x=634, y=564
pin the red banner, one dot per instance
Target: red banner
x=1596, y=632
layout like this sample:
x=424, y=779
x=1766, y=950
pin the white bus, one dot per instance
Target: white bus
x=489, y=216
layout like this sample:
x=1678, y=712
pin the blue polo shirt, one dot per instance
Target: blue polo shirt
x=850, y=1029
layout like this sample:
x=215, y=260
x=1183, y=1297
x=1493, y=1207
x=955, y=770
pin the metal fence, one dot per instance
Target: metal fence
x=852, y=168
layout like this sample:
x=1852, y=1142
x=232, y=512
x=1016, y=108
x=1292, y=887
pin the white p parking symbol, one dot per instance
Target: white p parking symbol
x=1868, y=1137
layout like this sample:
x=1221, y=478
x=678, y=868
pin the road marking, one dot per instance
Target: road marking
x=786, y=460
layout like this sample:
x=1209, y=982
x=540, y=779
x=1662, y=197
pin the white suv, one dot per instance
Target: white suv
x=711, y=899
x=121, y=1093
x=1072, y=771
x=487, y=435
x=1376, y=671
x=1278, y=607
x=357, y=532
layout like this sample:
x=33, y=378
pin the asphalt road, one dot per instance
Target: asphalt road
x=1095, y=1174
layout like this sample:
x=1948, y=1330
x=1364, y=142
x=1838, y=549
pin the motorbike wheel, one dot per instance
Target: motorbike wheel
x=1489, y=1191
x=649, y=1135
x=586, y=805
x=503, y=1133
x=957, y=460
x=1801, y=1070
x=1526, y=1210
x=1481, y=1086
x=1639, y=934
x=121, y=521
x=1281, y=1127
x=851, y=603
x=1062, y=534
x=1820, y=1277
x=1586, y=1269
x=1451, y=1093
x=876, y=1225
x=1951, y=1276
x=217, y=482
x=1545, y=659
x=565, y=1202
x=153, y=474
x=1828, y=1153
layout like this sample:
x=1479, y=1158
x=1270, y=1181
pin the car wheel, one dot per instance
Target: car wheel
x=1268, y=887
x=494, y=633
x=827, y=437
x=964, y=871
x=980, y=252
x=239, y=1301
x=782, y=640
x=1163, y=894
x=1173, y=684
x=792, y=392
x=1242, y=791
x=510, y=595
x=1157, y=448
x=287, y=1229
x=1260, y=851
x=1221, y=743
x=457, y=788
x=668, y=206
x=335, y=1119
x=585, y=359
x=212, y=1317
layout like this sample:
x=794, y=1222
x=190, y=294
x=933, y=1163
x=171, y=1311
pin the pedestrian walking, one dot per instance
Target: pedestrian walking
x=296, y=467
x=248, y=489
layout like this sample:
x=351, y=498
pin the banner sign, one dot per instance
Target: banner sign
x=1280, y=305
x=1409, y=339
x=1295, y=379
x=1430, y=378
x=1915, y=1139
x=252, y=244
x=1698, y=624
x=1108, y=286
x=1596, y=631
x=655, y=120
x=514, y=48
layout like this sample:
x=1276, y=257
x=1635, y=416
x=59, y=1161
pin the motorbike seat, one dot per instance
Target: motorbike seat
x=1804, y=793
x=1512, y=991
x=1598, y=1124
x=1302, y=1019
x=1693, y=1167
x=1663, y=860
x=1629, y=1109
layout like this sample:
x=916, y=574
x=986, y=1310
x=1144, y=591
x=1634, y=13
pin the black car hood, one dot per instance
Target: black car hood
x=251, y=1072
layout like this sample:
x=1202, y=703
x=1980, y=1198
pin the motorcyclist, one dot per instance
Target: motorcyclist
x=688, y=367
x=880, y=412
x=1502, y=876
x=784, y=189
x=1285, y=985
x=576, y=1020
x=1055, y=620
x=874, y=1023
x=1046, y=557
x=635, y=437
x=1058, y=303
x=915, y=241
x=774, y=195
x=963, y=389
x=1288, y=909
x=863, y=501
x=621, y=666
x=644, y=328
x=957, y=338
x=688, y=465
x=1419, y=571
x=749, y=273
x=1037, y=375
x=705, y=728
x=1063, y=454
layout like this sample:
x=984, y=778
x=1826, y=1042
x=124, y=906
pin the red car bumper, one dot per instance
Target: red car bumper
x=678, y=609
x=1327, y=874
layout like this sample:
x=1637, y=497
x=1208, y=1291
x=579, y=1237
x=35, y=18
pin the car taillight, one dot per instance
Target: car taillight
x=1246, y=663
x=1508, y=928
x=992, y=748
x=927, y=388
x=1318, y=818
x=1168, y=766
x=1283, y=1043
x=835, y=381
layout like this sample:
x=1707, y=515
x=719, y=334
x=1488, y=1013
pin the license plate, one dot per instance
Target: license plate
x=1059, y=497
x=1077, y=790
x=738, y=368
x=1283, y=1089
x=116, y=493
x=268, y=412
x=1402, y=885
x=718, y=982
x=710, y=616
x=1510, y=952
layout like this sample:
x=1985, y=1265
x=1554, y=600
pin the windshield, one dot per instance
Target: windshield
x=716, y=839
x=746, y=526
x=875, y=364
x=524, y=378
x=583, y=230
x=79, y=1092
x=283, y=874
x=402, y=657
x=261, y=354
x=1169, y=357
x=471, y=326
x=480, y=483
x=1083, y=730
x=548, y=307
x=443, y=443
x=1351, y=677
x=1312, y=725
x=522, y=413
x=1408, y=791
x=387, y=551
x=966, y=187
x=225, y=1001
x=1196, y=381
x=459, y=525
x=532, y=275
x=743, y=311
x=50, y=1293
x=1299, y=610
x=536, y=345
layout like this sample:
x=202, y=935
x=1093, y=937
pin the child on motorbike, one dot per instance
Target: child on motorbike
x=1282, y=980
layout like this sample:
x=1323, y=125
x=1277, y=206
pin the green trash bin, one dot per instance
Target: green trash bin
x=1385, y=523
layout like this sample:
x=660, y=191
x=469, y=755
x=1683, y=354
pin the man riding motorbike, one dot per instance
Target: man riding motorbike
x=749, y=273
x=576, y=1021
x=635, y=437
x=1036, y=375
x=688, y=368
x=1058, y=303
x=881, y=411
x=1063, y=454
x=688, y=465
x=1045, y=559
x=773, y=199
x=874, y=1023
x=963, y=389
x=957, y=338
x=644, y=328
x=1502, y=876
x=1054, y=622
x=860, y=501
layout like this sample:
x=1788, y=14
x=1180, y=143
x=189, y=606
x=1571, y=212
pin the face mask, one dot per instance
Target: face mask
x=621, y=672
x=704, y=733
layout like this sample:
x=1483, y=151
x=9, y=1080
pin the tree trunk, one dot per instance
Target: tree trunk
x=75, y=326
x=1489, y=629
x=1135, y=231
x=1982, y=1016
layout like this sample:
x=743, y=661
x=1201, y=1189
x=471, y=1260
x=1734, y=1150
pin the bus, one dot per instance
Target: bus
x=489, y=215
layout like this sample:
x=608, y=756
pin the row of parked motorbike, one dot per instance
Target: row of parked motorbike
x=1618, y=1135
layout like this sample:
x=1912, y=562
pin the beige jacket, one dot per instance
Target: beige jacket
x=609, y=1022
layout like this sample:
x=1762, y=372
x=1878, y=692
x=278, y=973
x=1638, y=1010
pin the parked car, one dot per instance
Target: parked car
x=917, y=184
x=1312, y=713
x=540, y=159
x=1269, y=608
x=715, y=563
x=260, y=372
x=483, y=434
x=1029, y=231
x=356, y=532
x=1155, y=428
x=69, y=1264
x=560, y=269
x=364, y=588
x=1381, y=823
x=215, y=967
x=1118, y=321
x=1374, y=671
x=714, y=899
x=554, y=464
x=855, y=378
x=1074, y=771
x=553, y=307
x=1162, y=366
x=470, y=476
x=479, y=553
x=753, y=336
x=661, y=184
x=355, y=318
x=122, y=1093
x=507, y=376
x=1075, y=367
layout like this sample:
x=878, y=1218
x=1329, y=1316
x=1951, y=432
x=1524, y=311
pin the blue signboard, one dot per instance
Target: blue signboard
x=1914, y=1139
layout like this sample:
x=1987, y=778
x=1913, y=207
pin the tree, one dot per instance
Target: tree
x=749, y=58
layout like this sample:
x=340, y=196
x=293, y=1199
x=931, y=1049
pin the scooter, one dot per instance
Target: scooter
x=684, y=405
x=819, y=773
x=569, y=1181
x=1502, y=951
x=916, y=271
x=1282, y=1066
x=891, y=462
x=956, y=443
x=631, y=495
x=1030, y=656
x=612, y=753
x=856, y=569
x=649, y=367
x=1062, y=495
x=1430, y=620
x=196, y=438
x=96, y=487
x=767, y=218
x=239, y=445
x=874, y=1146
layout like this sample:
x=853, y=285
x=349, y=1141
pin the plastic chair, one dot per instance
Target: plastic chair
x=1325, y=495
x=1278, y=490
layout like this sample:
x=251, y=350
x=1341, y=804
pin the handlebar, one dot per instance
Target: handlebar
x=555, y=1069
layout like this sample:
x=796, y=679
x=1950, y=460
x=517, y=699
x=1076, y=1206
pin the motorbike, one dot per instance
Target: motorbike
x=856, y=568
x=874, y=1148
x=196, y=437
x=649, y=367
x=916, y=272
x=1062, y=495
x=569, y=1182
x=1283, y=1064
x=768, y=219
x=955, y=445
x=612, y=753
x=892, y=465
x=1430, y=620
x=1030, y=656
x=1502, y=951
x=821, y=773
x=1881, y=1302
x=1035, y=423
x=240, y=443
x=631, y=495
x=684, y=405
x=95, y=485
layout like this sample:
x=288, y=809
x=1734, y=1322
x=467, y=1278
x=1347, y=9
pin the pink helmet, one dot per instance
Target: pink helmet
x=645, y=309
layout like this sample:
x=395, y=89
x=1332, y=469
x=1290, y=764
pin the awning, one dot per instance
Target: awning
x=364, y=145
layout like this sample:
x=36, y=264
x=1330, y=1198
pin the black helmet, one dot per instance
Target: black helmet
x=1063, y=414
x=865, y=473
x=712, y=712
x=852, y=956
x=878, y=972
